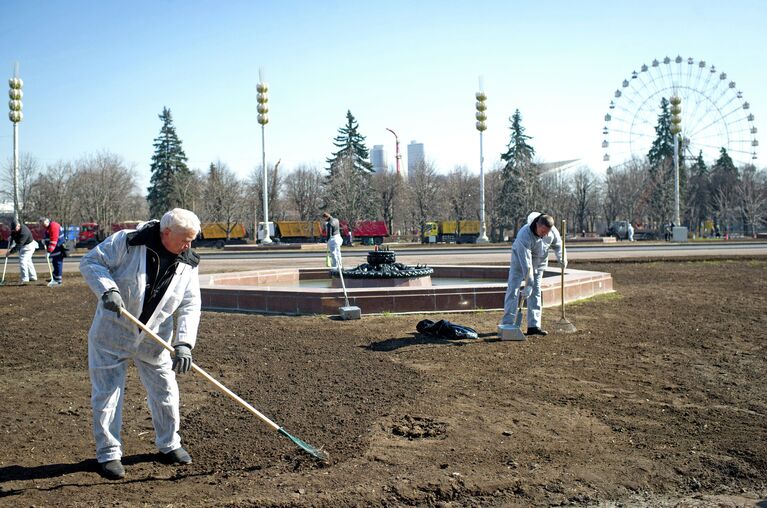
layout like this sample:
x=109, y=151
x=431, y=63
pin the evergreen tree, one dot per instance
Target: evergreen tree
x=169, y=170
x=698, y=194
x=519, y=176
x=724, y=188
x=661, y=157
x=351, y=146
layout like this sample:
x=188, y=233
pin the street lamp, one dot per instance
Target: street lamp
x=263, y=118
x=397, y=156
x=679, y=233
x=15, y=116
x=481, y=127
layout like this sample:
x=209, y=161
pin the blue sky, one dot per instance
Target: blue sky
x=97, y=73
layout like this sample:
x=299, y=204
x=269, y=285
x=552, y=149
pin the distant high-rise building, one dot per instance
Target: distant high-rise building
x=415, y=156
x=378, y=158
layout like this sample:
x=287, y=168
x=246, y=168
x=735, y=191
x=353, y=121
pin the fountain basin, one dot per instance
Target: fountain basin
x=276, y=291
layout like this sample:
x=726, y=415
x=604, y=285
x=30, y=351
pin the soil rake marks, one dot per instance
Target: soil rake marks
x=315, y=452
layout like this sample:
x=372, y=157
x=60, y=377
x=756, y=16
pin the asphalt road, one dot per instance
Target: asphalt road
x=222, y=260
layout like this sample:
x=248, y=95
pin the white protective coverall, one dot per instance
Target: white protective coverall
x=529, y=258
x=120, y=262
x=334, y=241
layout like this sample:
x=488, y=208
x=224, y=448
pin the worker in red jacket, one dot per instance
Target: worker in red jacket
x=54, y=241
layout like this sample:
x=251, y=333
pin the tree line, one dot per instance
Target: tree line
x=102, y=188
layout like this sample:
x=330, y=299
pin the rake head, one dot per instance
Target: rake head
x=510, y=332
x=314, y=452
x=565, y=326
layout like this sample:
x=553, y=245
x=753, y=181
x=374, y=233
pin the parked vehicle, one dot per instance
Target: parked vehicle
x=219, y=234
x=367, y=232
x=451, y=231
x=91, y=234
x=619, y=229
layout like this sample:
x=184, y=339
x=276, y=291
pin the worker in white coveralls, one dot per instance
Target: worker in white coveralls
x=529, y=258
x=151, y=272
x=333, y=233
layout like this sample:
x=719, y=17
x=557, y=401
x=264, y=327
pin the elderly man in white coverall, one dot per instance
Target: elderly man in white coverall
x=529, y=258
x=153, y=274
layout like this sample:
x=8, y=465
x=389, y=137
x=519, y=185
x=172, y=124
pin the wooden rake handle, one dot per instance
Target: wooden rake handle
x=229, y=393
x=564, y=256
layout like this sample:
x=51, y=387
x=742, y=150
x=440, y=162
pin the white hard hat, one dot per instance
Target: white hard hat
x=532, y=216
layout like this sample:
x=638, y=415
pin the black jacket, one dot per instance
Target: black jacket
x=20, y=238
x=160, y=265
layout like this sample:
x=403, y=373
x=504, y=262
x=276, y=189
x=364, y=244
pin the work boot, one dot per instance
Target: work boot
x=534, y=330
x=177, y=456
x=112, y=470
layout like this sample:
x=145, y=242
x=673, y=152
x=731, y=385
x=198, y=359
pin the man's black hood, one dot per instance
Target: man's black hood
x=150, y=231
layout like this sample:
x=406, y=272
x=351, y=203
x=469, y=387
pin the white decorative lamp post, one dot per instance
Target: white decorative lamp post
x=679, y=233
x=263, y=118
x=15, y=115
x=481, y=127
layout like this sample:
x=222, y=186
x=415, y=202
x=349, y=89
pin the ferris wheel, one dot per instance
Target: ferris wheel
x=714, y=113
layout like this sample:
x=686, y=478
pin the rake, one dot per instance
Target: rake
x=563, y=325
x=319, y=454
x=514, y=331
x=348, y=311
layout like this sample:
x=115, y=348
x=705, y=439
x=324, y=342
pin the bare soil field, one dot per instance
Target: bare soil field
x=659, y=399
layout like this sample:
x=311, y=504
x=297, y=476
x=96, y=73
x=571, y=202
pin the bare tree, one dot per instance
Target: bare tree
x=303, y=191
x=626, y=192
x=53, y=193
x=254, y=194
x=222, y=201
x=28, y=170
x=752, y=190
x=105, y=188
x=462, y=194
x=585, y=198
x=424, y=191
x=493, y=215
x=726, y=208
x=387, y=186
x=187, y=188
x=556, y=195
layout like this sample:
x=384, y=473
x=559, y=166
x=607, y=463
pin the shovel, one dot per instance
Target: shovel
x=513, y=332
x=5, y=265
x=319, y=454
x=563, y=325
x=347, y=312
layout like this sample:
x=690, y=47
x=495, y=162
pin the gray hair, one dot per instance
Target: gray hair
x=544, y=219
x=179, y=219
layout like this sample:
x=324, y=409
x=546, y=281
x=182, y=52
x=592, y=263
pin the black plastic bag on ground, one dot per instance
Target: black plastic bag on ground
x=444, y=329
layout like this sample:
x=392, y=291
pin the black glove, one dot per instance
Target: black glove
x=112, y=301
x=182, y=360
